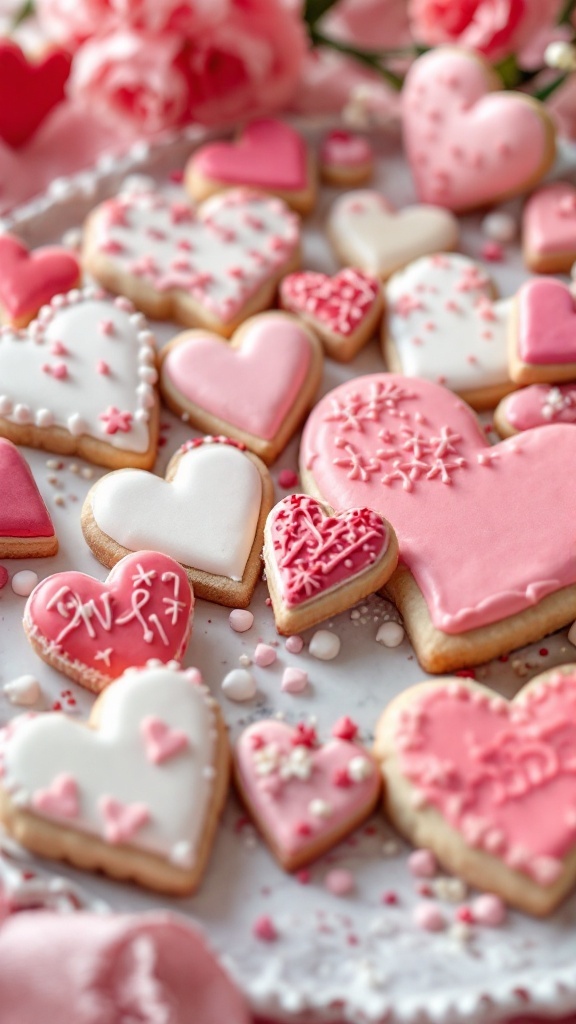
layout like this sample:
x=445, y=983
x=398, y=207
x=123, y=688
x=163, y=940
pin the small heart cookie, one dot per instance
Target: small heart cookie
x=26, y=529
x=268, y=155
x=219, y=387
x=94, y=631
x=304, y=797
x=100, y=798
x=486, y=784
x=549, y=229
x=212, y=267
x=319, y=564
x=346, y=159
x=80, y=380
x=367, y=232
x=468, y=144
x=535, y=406
x=208, y=514
x=29, y=280
x=344, y=310
x=542, y=346
x=443, y=325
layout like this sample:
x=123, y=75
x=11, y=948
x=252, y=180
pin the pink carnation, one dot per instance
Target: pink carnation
x=71, y=22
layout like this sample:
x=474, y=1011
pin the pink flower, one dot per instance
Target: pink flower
x=372, y=24
x=71, y=22
x=134, y=77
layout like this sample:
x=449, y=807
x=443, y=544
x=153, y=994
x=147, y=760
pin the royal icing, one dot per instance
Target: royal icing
x=549, y=221
x=29, y=280
x=50, y=370
x=467, y=145
x=219, y=255
x=269, y=154
x=463, y=511
x=227, y=381
x=372, y=235
x=35, y=87
x=102, y=780
x=493, y=769
x=546, y=322
x=340, y=304
x=540, y=404
x=22, y=510
x=142, y=611
x=343, y=149
x=444, y=325
x=314, y=553
x=302, y=792
x=205, y=517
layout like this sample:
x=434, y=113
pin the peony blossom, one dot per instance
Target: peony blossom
x=71, y=22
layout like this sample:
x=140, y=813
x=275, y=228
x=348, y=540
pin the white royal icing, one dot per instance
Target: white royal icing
x=206, y=517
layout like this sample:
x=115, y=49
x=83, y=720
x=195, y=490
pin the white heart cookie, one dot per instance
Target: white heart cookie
x=143, y=779
x=443, y=325
x=368, y=233
x=80, y=380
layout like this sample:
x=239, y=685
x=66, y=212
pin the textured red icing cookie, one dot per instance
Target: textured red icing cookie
x=34, y=90
x=26, y=529
x=344, y=310
x=93, y=631
x=305, y=797
x=256, y=389
x=101, y=797
x=535, y=406
x=472, y=583
x=468, y=144
x=543, y=333
x=318, y=564
x=268, y=155
x=211, y=267
x=549, y=229
x=489, y=786
x=29, y=280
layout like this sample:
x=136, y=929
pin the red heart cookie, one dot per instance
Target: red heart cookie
x=26, y=529
x=94, y=631
x=29, y=280
x=543, y=338
x=34, y=90
x=490, y=786
x=305, y=798
x=549, y=229
x=344, y=310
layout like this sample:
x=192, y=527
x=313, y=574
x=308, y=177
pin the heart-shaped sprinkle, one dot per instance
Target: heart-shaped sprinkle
x=60, y=799
x=161, y=741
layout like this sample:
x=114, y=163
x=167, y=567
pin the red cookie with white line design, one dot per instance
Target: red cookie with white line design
x=344, y=310
x=29, y=280
x=136, y=791
x=94, y=631
x=319, y=564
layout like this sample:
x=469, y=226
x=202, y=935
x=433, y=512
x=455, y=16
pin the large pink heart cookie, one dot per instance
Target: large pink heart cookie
x=469, y=145
x=490, y=786
x=543, y=335
x=463, y=511
x=219, y=387
x=549, y=229
x=26, y=528
x=93, y=631
x=101, y=798
x=211, y=267
x=304, y=797
x=30, y=280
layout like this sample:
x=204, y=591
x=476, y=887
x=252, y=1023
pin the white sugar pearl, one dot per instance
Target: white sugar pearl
x=239, y=685
x=24, y=690
x=500, y=226
x=23, y=582
x=390, y=634
x=324, y=645
x=137, y=183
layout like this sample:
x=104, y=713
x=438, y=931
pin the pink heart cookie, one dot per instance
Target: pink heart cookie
x=93, y=631
x=256, y=389
x=207, y=267
x=29, y=280
x=305, y=798
x=344, y=310
x=535, y=406
x=463, y=512
x=543, y=336
x=26, y=528
x=549, y=229
x=489, y=786
x=468, y=144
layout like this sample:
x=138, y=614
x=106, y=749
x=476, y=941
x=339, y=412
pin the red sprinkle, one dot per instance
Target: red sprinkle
x=176, y=176
x=464, y=914
x=543, y=652
x=303, y=876
x=466, y=673
x=390, y=898
x=344, y=729
x=287, y=478
x=493, y=252
x=264, y=929
x=304, y=736
x=3, y=576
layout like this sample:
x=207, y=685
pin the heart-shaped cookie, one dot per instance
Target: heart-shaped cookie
x=346, y=159
x=26, y=529
x=473, y=581
x=443, y=325
x=304, y=797
x=489, y=786
x=29, y=280
x=344, y=310
x=269, y=155
x=80, y=380
x=34, y=90
x=208, y=514
x=212, y=267
x=469, y=145
x=543, y=333
x=217, y=386
x=535, y=406
x=318, y=564
x=94, y=631
x=99, y=798
x=367, y=232
x=549, y=229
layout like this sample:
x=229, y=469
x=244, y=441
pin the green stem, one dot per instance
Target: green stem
x=565, y=16
x=370, y=58
x=26, y=11
x=316, y=9
x=545, y=93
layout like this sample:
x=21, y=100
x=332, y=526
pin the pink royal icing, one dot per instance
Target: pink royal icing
x=269, y=154
x=314, y=552
x=340, y=303
x=464, y=511
x=29, y=280
x=540, y=404
x=549, y=220
x=467, y=145
x=546, y=322
x=22, y=510
x=502, y=774
x=344, y=149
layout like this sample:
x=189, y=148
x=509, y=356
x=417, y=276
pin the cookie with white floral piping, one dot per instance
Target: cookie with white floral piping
x=135, y=792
